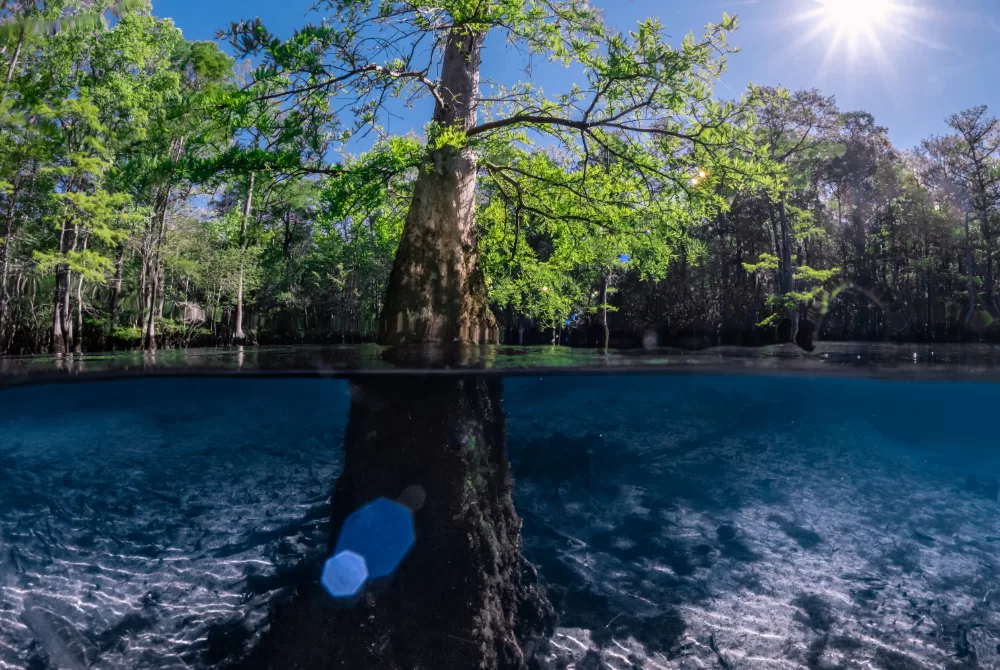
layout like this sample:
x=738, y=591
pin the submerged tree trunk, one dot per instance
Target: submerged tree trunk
x=464, y=597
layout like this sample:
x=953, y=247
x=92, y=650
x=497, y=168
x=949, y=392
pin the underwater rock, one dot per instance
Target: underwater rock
x=815, y=612
x=130, y=624
x=894, y=660
x=807, y=539
x=66, y=647
x=732, y=546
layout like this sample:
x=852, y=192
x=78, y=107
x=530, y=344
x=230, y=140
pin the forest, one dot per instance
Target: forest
x=161, y=192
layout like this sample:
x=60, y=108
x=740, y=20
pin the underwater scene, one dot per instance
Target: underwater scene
x=556, y=521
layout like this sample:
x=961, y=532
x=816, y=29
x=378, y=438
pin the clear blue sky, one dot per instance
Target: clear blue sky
x=936, y=56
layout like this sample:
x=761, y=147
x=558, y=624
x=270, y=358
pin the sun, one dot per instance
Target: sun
x=854, y=18
x=870, y=33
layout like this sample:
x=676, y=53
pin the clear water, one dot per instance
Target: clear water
x=678, y=521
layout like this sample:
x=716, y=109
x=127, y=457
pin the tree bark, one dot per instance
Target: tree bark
x=67, y=312
x=783, y=251
x=116, y=291
x=78, y=318
x=58, y=337
x=988, y=288
x=238, y=336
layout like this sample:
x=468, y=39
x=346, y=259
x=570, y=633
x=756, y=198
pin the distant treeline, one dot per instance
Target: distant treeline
x=146, y=199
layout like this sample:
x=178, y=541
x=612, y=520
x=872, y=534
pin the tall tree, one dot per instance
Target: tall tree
x=646, y=103
x=977, y=163
x=793, y=127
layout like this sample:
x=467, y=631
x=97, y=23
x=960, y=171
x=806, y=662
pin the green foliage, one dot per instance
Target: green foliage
x=55, y=17
x=126, y=153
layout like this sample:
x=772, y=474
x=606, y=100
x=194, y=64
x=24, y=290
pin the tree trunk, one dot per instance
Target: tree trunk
x=239, y=336
x=116, y=286
x=155, y=271
x=436, y=291
x=5, y=256
x=463, y=597
x=78, y=317
x=970, y=284
x=286, y=244
x=787, y=280
x=604, y=311
x=62, y=288
x=12, y=66
x=149, y=341
x=787, y=272
x=988, y=288
x=59, y=312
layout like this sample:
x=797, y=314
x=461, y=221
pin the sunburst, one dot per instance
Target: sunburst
x=866, y=29
x=852, y=19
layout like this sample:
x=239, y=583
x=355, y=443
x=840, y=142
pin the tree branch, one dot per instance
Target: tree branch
x=357, y=72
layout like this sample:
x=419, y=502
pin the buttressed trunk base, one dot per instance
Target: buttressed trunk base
x=436, y=292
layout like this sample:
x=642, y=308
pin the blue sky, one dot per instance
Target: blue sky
x=936, y=56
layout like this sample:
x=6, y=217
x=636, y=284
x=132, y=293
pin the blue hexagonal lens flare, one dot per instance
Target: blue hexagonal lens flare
x=344, y=574
x=382, y=532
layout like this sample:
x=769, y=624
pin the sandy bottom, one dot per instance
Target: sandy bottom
x=680, y=522
x=704, y=523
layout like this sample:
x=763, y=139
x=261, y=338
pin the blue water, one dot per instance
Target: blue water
x=679, y=521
